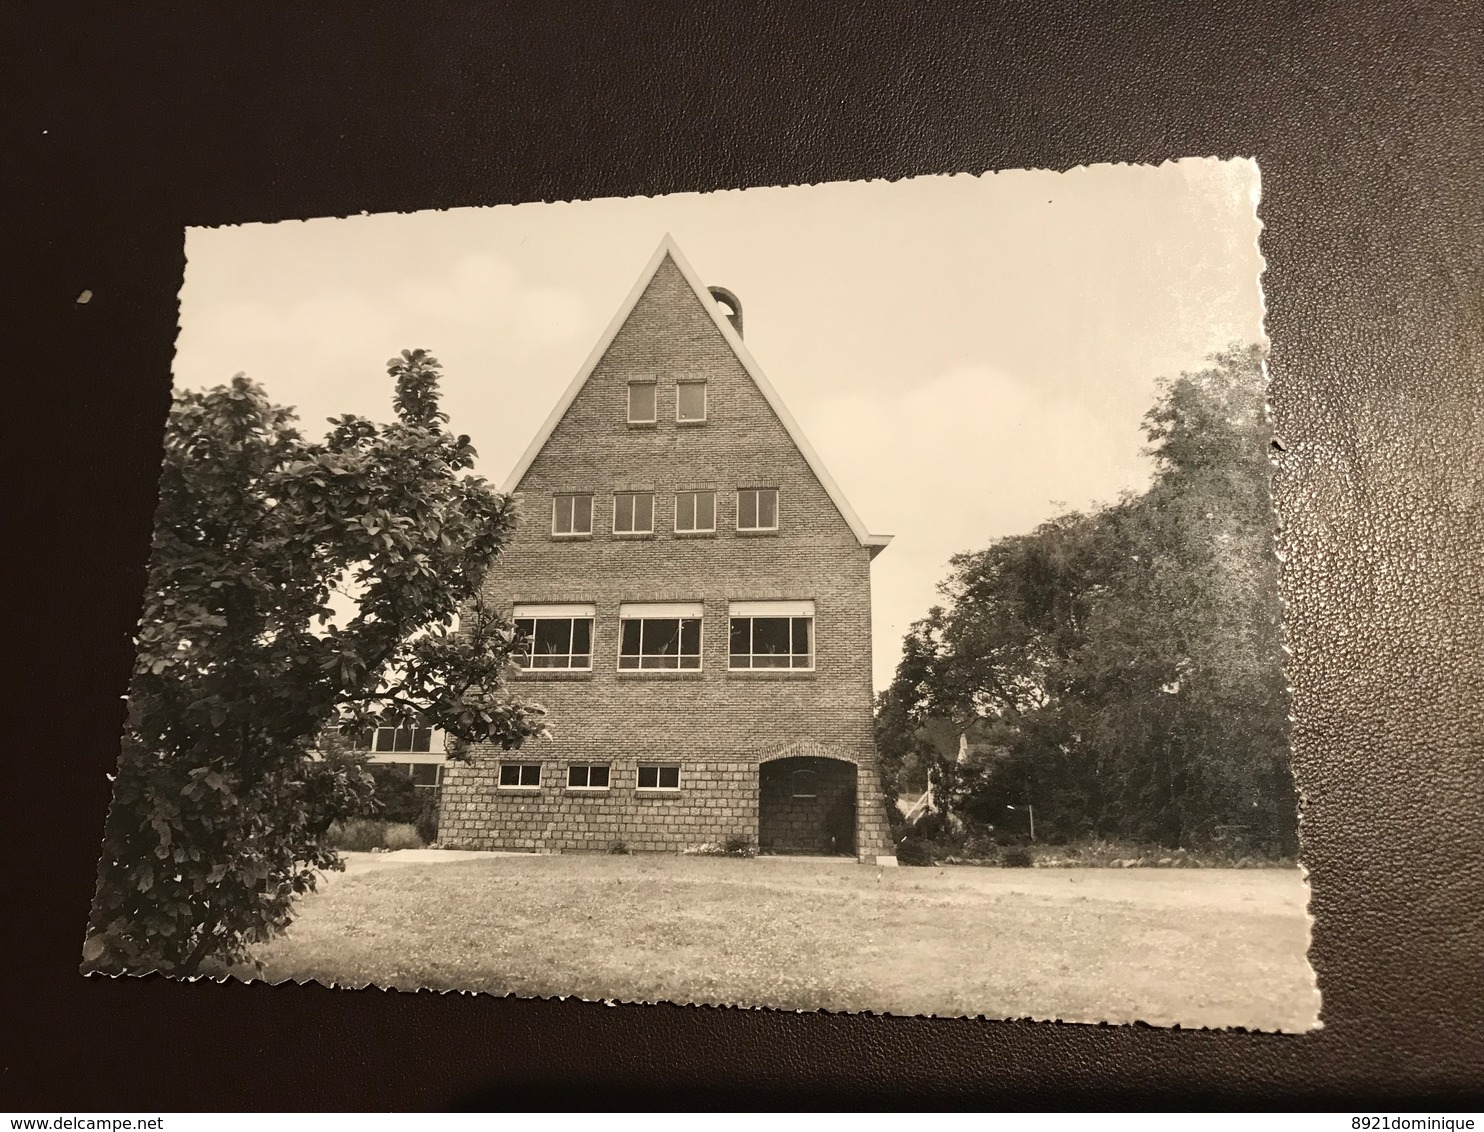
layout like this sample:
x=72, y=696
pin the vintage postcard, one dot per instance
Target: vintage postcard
x=857, y=597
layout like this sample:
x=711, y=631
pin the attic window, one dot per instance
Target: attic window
x=572, y=515
x=690, y=402
x=633, y=513
x=641, y=402
x=757, y=509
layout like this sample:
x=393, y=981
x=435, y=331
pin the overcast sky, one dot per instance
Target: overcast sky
x=968, y=355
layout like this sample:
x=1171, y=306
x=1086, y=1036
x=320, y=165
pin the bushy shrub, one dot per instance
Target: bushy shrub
x=1016, y=857
x=398, y=800
x=739, y=845
x=618, y=849
x=401, y=835
x=358, y=835
x=914, y=851
x=426, y=821
x=362, y=835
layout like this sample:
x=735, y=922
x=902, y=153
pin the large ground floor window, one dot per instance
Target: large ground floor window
x=661, y=635
x=554, y=636
x=772, y=635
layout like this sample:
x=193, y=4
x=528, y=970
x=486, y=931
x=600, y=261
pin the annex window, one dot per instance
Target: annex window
x=422, y=774
x=641, y=402
x=409, y=737
x=659, y=777
x=633, y=513
x=572, y=515
x=665, y=635
x=520, y=776
x=427, y=775
x=690, y=402
x=757, y=509
x=587, y=776
x=695, y=511
x=554, y=636
x=772, y=634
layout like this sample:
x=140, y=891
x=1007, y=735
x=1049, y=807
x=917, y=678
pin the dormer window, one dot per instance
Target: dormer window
x=641, y=402
x=572, y=515
x=690, y=402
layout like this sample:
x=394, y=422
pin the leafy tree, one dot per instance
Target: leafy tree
x=1129, y=660
x=220, y=811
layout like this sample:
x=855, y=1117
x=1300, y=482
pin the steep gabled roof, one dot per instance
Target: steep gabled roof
x=667, y=247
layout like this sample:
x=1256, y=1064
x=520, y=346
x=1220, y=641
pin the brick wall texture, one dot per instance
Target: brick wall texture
x=723, y=728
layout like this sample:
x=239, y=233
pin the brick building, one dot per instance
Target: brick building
x=695, y=594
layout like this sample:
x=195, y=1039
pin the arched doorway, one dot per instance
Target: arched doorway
x=806, y=805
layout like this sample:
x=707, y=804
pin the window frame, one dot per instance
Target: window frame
x=589, y=768
x=371, y=736
x=812, y=776
x=641, y=612
x=654, y=416
x=556, y=499
x=790, y=611
x=693, y=530
x=617, y=495
x=521, y=768
x=658, y=788
x=571, y=613
x=437, y=776
x=705, y=401
x=757, y=510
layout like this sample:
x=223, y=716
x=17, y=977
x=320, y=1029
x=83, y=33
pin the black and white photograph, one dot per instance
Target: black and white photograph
x=858, y=597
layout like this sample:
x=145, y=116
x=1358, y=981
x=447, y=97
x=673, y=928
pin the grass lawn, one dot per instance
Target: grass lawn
x=1197, y=947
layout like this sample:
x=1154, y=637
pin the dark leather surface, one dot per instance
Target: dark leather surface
x=126, y=123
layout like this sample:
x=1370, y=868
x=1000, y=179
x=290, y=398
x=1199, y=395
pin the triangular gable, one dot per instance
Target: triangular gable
x=668, y=248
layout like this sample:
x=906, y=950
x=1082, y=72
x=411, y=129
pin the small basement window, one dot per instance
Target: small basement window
x=520, y=776
x=587, y=776
x=659, y=777
x=690, y=402
x=641, y=402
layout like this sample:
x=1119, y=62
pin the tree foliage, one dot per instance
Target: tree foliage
x=220, y=810
x=1121, y=670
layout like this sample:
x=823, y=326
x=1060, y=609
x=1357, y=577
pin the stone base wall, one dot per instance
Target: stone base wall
x=716, y=800
x=872, y=829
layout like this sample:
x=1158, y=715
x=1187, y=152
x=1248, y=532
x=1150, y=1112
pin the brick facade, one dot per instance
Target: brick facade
x=724, y=728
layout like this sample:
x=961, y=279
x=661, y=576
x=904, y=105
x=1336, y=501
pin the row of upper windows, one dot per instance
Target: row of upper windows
x=695, y=512
x=690, y=402
x=761, y=635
